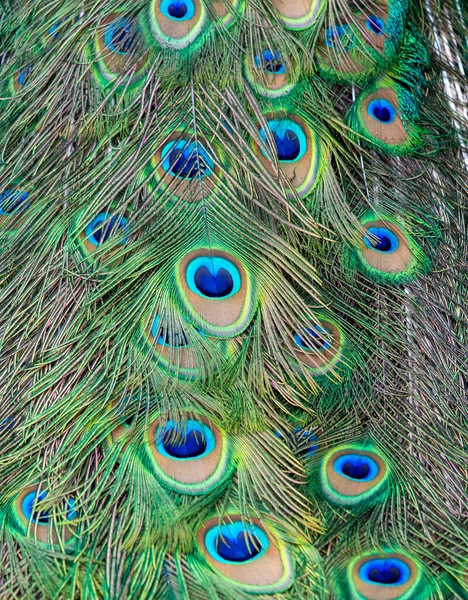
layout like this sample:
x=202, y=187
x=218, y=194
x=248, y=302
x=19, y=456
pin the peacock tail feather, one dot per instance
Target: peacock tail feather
x=233, y=291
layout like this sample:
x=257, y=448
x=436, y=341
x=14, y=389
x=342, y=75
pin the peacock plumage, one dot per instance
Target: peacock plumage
x=233, y=291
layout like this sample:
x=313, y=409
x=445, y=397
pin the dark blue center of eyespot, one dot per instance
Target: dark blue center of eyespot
x=385, y=240
x=288, y=146
x=375, y=24
x=24, y=74
x=384, y=576
x=28, y=505
x=193, y=444
x=239, y=549
x=176, y=339
x=185, y=163
x=102, y=231
x=123, y=37
x=177, y=10
x=214, y=286
x=338, y=35
x=382, y=110
x=355, y=470
x=272, y=62
x=11, y=201
x=384, y=244
x=316, y=340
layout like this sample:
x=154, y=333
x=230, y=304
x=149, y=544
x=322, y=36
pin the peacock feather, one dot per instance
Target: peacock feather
x=233, y=291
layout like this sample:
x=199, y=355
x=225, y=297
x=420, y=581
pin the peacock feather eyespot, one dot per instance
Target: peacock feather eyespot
x=269, y=74
x=21, y=78
x=338, y=37
x=249, y=555
x=191, y=456
x=302, y=155
x=299, y=15
x=217, y=292
x=166, y=337
x=319, y=347
x=382, y=111
x=177, y=23
x=13, y=204
x=119, y=57
x=388, y=253
x=181, y=164
x=389, y=575
x=187, y=160
x=28, y=518
x=375, y=24
x=385, y=115
x=353, y=475
x=106, y=227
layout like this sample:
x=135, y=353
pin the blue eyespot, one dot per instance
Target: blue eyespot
x=290, y=140
x=385, y=572
x=213, y=277
x=270, y=61
x=24, y=74
x=357, y=467
x=13, y=202
x=186, y=441
x=72, y=513
x=56, y=30
x=386, y=242
x=375, y=24
x=120, y=35
x=164, y=337
x=382, y=110
x=338, y=36
x=179, y=10
x=186, y=160
x=319, y=338
x=307, y=441
x=236, y=542
x=103, y=226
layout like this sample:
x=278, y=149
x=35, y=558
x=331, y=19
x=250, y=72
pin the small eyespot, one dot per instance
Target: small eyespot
x=23, y=75
x=120, y=36
x=375, y=24
x=271, y=62
x=314, y=338
x=165, y=337
x=13, y=202
x=186, y=160
x=338, y=36
x=103, y=226
x=382, y=240
x=382, y=110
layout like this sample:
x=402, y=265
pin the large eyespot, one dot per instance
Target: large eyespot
x=299, y=14
x=269, y=74
x=391, y=576
x=319, y=347
x=384, y=115
x=352, y=475
x=249, y=555
x=176, y=23
x=185, y=167
x=226, y=11
x=118, y=52
x=301, y=154
x=190, y=457
x=217, y=292
x=388, y=253
x=29, y=518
